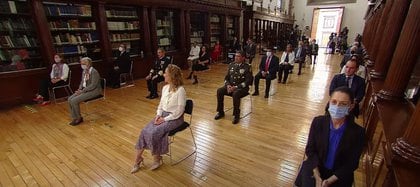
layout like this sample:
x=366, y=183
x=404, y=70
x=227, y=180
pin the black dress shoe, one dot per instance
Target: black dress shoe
x=219, y=115
x=255, y=94
x=265, y=96
x=76, y=122
x=235, y=120
x=154, y=96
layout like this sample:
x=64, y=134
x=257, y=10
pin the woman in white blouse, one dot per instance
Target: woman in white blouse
x=58, y=76
x=169, y=115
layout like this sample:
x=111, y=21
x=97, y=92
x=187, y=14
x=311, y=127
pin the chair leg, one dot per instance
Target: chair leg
x=53, y=96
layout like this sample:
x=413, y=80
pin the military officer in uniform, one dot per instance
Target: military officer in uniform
x=156, y=73
x=237, y=81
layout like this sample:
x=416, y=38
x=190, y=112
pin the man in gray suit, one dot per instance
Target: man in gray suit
x=90, y=87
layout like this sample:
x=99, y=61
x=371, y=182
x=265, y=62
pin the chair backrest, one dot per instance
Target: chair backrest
x=189, y=107
x=69, y=78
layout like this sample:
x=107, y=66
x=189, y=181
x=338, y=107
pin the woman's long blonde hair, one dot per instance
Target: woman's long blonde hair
x=175, y=74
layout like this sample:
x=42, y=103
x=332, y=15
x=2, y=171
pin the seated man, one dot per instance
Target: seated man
x=237, y=81
x=156, y=73
x=90, y=87
x=121, y=65
x=351, y=80
x=335, y=143
x=268, y=68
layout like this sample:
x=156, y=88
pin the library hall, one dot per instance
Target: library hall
x=299, y=93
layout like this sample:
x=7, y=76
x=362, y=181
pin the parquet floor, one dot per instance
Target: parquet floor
x=39, y=148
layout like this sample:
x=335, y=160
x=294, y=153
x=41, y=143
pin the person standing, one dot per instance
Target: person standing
x=237, y=81
x=300, y=53
x=314, y=50
x=156, y=73
x=268, y=68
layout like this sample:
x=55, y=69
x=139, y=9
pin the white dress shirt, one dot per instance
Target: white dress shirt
x=172, y=102
x=194, y=53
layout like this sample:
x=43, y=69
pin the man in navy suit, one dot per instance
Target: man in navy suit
x=268, y=68
x=352, y=81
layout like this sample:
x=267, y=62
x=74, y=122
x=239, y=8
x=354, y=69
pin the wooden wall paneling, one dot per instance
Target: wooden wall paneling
x=181, y=60
x=392, y=29
x=152, y=27
x=374, y=29
x=380, y=30
x=44, y=37
x=187, y=30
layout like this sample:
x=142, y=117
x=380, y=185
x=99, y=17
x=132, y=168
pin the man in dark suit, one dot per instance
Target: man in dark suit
x=121, y=65
x=300, y=55
x=314, y=50
x=250, y=50
x=352, y=81
x=335, y=144
x=268, y=68
x=237, y=81
x=156, y=73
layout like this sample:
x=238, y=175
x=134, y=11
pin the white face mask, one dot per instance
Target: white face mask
x=268, y=53
x=83, y=66
x=120, y=49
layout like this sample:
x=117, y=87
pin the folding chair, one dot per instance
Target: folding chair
x=66, y=87
x=123, y=76
x=102, y=96
x=188, y=110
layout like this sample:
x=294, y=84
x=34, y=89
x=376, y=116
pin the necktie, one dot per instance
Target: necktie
x=287, y=58
x=348, y=82
x=267, y=63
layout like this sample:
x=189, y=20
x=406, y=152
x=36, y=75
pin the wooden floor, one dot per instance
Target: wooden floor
x=39, y=148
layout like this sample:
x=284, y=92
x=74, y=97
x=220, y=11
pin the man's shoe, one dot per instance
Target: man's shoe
x=255, y=94
x=219, y=115
x=76, y=122
x=266, y=96
x=235, y=120
x=154, y=96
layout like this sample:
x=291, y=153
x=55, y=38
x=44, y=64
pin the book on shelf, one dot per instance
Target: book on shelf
x=68, y=10
x=72, y=25
x=124, y=37
x=17, y=41
x=119, y=25
x=121, y=13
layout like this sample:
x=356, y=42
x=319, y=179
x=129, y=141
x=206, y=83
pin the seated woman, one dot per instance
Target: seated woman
x=90, y=87
x=58, y=76
x=335, y=143
x=169, y=116
x=217, y=51
x=201, y=64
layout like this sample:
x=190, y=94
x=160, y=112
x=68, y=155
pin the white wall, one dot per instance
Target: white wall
x=352, y=18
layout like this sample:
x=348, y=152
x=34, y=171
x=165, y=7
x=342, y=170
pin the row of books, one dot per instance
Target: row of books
x=197, y=34
x=13, y=7
x=119, y=25
x=15, y=24
x=121, y=14
x=213, y=39
x=7, y=55
x=163, y=23
x=69, y=50
x=52, y=9
x=164, y=42
x=79, y=38
x=17, y=41
x=197, y=40
x=124, y=37
x=73, y=24
x=214, y=19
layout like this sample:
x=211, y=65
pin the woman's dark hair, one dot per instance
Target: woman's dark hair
x=346, y=90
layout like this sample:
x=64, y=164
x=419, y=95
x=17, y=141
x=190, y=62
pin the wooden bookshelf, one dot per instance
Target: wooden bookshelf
x=197, y=28
x=166, y=29
x=215, y=29
x=19, y=46
x=73, y=30
x=231, y=29
x=124, y=28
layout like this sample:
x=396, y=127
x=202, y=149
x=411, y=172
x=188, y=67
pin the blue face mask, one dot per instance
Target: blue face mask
x=337, y=112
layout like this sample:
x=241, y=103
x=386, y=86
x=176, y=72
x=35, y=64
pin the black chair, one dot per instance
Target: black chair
x=188, y=110
x=66, y=87
x=124, y=76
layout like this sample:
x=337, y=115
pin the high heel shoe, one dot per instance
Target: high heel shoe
x=156, y=164
x=136, y=167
